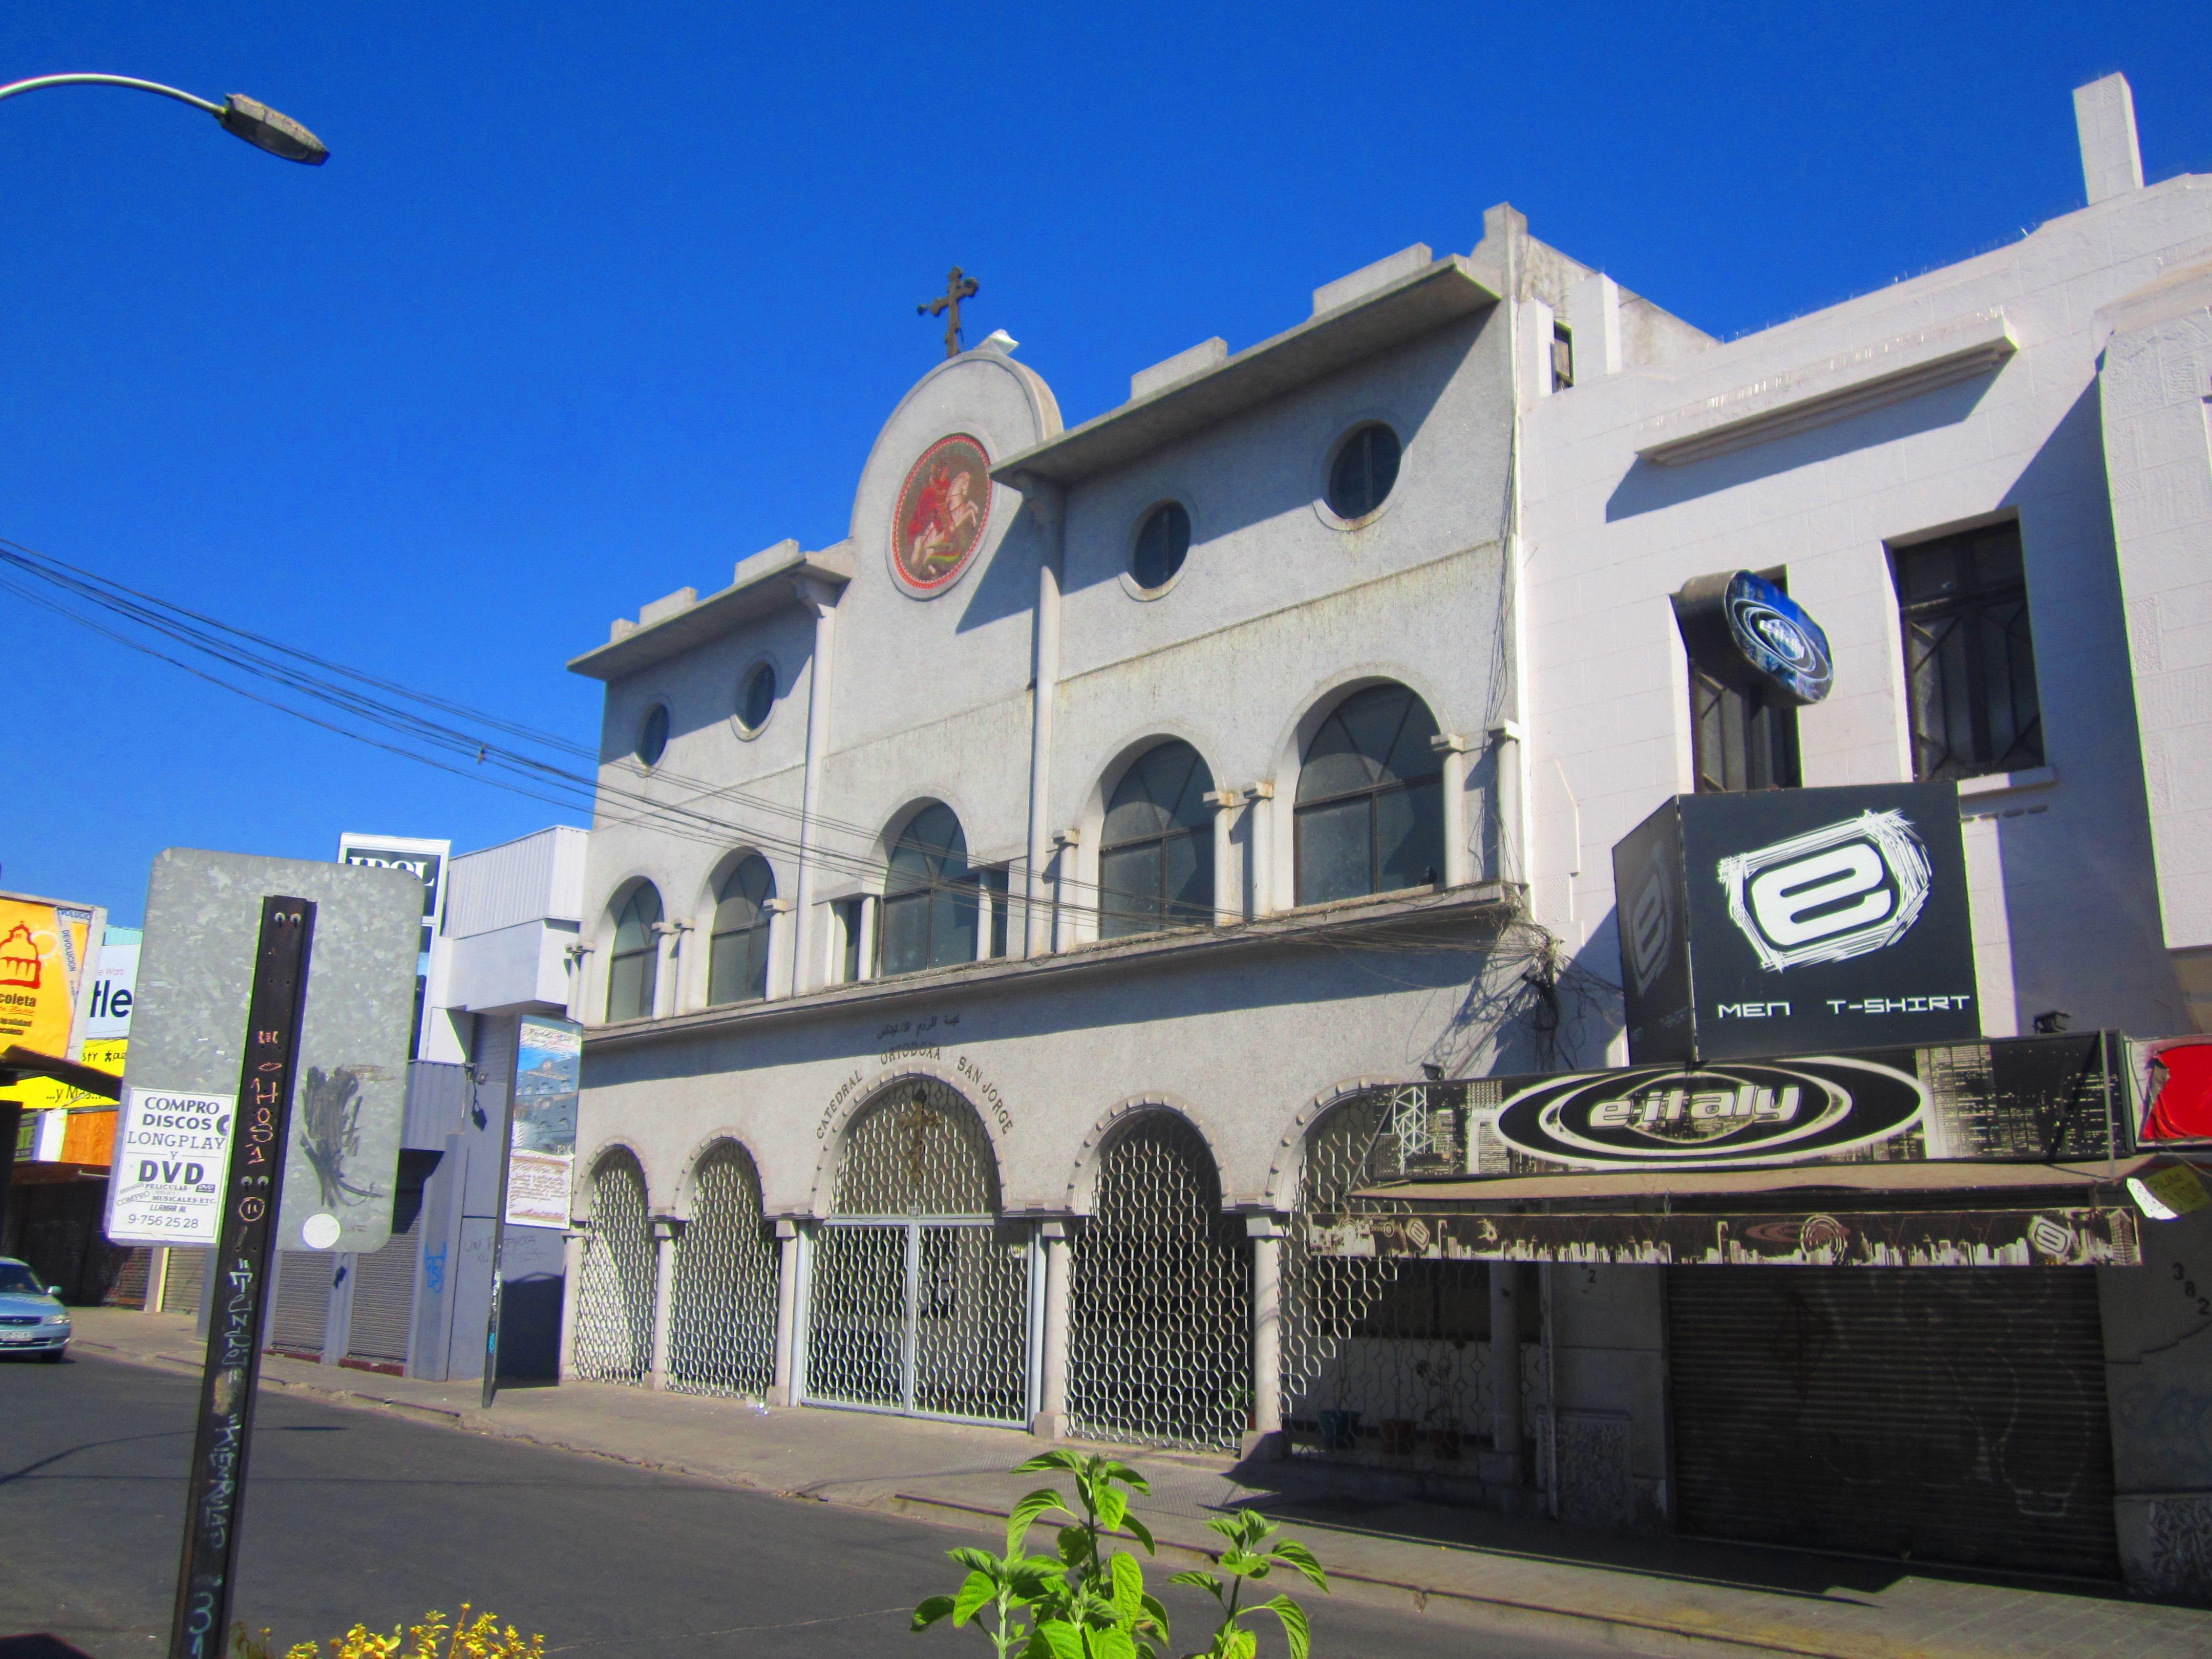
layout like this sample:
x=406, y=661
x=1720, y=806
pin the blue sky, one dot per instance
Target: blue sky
x=593, y=301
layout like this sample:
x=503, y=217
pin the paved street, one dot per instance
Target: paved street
x=361, y=1514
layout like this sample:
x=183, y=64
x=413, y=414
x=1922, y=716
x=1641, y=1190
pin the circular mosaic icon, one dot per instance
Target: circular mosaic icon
x=943, y=509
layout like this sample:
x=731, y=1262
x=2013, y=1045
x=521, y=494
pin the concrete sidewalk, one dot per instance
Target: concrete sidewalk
x=1652, y=1596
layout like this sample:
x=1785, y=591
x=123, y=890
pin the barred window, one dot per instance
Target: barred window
x=1969, y=655
x=1739, y=742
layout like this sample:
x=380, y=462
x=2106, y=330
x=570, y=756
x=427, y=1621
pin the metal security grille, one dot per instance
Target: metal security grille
x=614, y=1297
x=1159, y=1325
x=1949, y=1413
x=1388, y=1360
x=920, y=1151
x=721, y=1312
x=915, y=1301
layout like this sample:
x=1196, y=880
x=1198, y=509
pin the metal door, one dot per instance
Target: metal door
x=916, y=1299
x=930, y=1318
x=1944, y=1414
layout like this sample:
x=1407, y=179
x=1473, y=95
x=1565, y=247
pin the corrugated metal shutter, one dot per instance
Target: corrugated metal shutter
x=304, y=1279
x=128, y=1290
x=180, y=1288
x=1942, y=1414
x=383, y=1289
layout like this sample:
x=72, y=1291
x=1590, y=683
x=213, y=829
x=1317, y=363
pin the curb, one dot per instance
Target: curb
x=1626, y=1632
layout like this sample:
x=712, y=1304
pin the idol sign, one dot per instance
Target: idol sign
x=1796, y=921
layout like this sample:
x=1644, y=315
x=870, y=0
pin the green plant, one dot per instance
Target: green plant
x=1080, y=1604
x=1088, y=1602
x=1254, y=1553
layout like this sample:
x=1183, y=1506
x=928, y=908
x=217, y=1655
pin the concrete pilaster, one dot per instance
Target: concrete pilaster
x=663, y=1279
x=786, y=1311
x=1051, y=1421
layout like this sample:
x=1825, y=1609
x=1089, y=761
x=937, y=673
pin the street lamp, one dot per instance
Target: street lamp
x=258, y=124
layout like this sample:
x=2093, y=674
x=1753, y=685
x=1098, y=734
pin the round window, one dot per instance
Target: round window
x=1162, y=544
x=1365, y=469
x=756, y=700
x=652, y=736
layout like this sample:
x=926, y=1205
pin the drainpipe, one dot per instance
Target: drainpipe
x=1505, y=1373
x=809, y=962
x=1046, y=501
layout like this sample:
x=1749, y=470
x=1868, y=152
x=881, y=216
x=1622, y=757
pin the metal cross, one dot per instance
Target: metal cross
x=958, y=287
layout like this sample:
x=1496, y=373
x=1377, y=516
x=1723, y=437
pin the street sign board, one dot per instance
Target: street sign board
x=1780, y=921
x=188, y=1037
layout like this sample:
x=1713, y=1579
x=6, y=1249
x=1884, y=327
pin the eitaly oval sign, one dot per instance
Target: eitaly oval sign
x=1672, y=1116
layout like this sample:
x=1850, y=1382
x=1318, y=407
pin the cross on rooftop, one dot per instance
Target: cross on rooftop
x=958, y=287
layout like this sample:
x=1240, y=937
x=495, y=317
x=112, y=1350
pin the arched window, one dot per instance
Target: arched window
x=737, y=954
x=1155, y=865
x=929, y=898
x=633, y=967
x=1369, y=817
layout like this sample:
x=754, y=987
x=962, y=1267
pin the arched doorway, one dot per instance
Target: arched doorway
x=721, y=1293
x=1387, y=1361
x=1159, y=1327
x=614, y=1297
x=918, y=1301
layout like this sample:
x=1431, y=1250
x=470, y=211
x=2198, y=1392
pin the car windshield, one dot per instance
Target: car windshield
x=18, y=1280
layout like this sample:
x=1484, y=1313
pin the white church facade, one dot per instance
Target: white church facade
x=1003, y=925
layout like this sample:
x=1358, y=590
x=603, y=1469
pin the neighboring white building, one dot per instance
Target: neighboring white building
x=1001, y=926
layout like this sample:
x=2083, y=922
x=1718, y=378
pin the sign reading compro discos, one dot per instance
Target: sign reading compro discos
x=171, y=1152
x=189, y=1040
x=1794, y=921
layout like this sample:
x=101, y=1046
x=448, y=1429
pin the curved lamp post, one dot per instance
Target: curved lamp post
x=258, y=124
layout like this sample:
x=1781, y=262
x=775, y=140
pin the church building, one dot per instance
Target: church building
x=1006, y=928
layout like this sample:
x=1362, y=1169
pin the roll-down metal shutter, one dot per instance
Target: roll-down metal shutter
x=304, y=1279
x=384, y=1280
x=181, y=1288
x=1942, y=1414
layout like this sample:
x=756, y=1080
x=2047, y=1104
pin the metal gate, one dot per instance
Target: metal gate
x=1387, y=1360
x=614, y=1295
x=1159, y=1324
x=1949, y=1413
x=917, y=1299
x=721, y=1296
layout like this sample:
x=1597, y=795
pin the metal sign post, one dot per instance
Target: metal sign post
x=498, y=1250
x=215, y=1500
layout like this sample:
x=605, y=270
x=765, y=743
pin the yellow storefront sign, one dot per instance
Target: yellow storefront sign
x=45, y=1094
x=42, y=956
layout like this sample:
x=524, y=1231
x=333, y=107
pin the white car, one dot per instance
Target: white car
x=32, y=1318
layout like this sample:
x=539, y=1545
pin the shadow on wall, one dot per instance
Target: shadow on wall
x=1647, y=488
x=1535, y=1010
x=2064, y=864
x=1245, y=485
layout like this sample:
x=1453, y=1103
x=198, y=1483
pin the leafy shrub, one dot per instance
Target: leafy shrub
x=1086, y=1603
